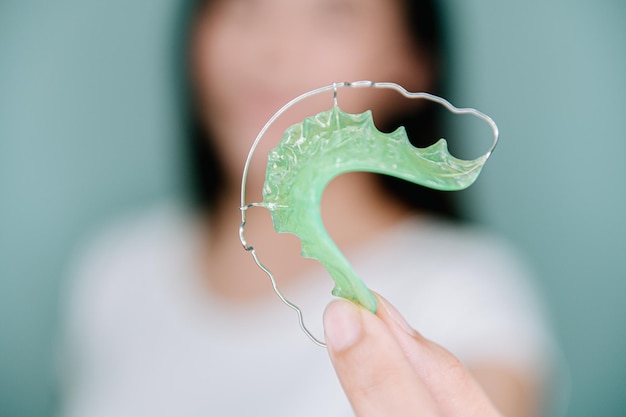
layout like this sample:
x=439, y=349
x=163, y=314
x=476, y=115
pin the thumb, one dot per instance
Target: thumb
x=374, y=372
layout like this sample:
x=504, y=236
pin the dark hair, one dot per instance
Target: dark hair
x=423, y=125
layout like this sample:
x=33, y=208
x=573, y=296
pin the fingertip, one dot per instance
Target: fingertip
x=374, y=372
x=343, y=325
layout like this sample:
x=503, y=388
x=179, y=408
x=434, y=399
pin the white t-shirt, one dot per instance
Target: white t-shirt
x=144, y=338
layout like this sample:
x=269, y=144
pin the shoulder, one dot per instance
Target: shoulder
x=139, y=235
x=126, y=266
x=136, y=243
x=118, y=293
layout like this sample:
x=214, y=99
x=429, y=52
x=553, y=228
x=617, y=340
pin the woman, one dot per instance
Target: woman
x=171, y=317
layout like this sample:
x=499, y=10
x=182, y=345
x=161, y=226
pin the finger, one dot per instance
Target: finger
x=375, y=374
x=449, y=383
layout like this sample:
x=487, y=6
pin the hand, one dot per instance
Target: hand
x=388, y=369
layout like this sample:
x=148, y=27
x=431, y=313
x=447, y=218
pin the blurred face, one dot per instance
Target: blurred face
x=250, y=57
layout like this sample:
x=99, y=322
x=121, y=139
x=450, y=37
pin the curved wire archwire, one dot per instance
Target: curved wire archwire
x=269, y=273
x=334, y=86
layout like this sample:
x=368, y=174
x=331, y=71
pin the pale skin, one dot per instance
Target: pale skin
x=407, y=375
x=249, y=58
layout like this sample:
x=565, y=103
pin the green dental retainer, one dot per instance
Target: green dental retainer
x=331, y=143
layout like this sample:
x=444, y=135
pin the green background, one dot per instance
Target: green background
x=88, y=130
